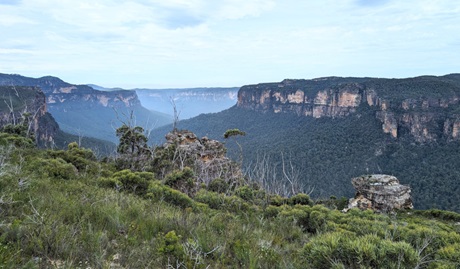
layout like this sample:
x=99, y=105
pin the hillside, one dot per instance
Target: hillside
x=84, y=111
x=65, y=209
x=333, y=129
x=190, y=102
x=27, y=106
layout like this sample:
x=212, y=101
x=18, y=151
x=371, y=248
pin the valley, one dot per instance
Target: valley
x=261, y=184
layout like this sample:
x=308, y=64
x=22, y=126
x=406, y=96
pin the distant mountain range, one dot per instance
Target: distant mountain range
x=189, y=102
x=20, y=102
x=322, y=132
x=95, y=111
x=84, y=111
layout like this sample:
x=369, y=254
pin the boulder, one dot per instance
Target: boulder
x=381, y=193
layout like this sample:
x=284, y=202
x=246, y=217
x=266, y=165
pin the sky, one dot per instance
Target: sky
x=226, y=43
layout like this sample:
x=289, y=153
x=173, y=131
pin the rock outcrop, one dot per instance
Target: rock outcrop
x=381, y=193
x=19, y=101
x=207, y=157
x=426, y=108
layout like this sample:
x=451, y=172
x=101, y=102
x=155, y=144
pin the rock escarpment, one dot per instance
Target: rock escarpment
x=86, y=112
x=426, y=108
x=381, y=193
x=59, y=93
x=27, y=103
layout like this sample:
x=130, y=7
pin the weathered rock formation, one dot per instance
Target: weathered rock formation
x=58, y=92
x=427, y=108
x=205, y=156
x=84, y=111
x=16, y=102
x=381, y=193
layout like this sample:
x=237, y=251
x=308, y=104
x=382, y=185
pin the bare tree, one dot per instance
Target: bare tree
x=176, y=113
x=284, y=178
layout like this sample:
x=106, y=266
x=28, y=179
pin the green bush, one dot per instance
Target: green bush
x=52, y=168
x=300, y=199
x=277, y=200
x=83, y=159
x=449, y=256
x=158, y=192
x=272, y=211
x=218, y=185
x=110, y=183
x=251, y=195
x=16, y=140
x=221, y=201
x=182, y=180
x=170, y=246
x=135, y=182
x=299, y=215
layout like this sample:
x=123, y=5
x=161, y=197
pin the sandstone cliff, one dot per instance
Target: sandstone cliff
x=84, y=111
x=427, y=108
x=59, y=92
x=16, y=102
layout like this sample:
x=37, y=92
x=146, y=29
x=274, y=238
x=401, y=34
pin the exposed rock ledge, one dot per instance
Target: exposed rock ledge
x=381, y=193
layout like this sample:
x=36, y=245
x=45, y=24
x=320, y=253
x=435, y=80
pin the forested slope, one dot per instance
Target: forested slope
x=407, y=128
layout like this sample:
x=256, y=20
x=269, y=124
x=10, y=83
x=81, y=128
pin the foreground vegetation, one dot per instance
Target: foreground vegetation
x=66, y=209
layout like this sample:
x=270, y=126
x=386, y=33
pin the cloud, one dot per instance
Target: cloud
x=9, y=20
x=256, y=40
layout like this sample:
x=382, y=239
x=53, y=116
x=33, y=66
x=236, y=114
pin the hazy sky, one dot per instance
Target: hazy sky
x=189, y=43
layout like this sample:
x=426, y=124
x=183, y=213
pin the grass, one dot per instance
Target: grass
x=47, y=221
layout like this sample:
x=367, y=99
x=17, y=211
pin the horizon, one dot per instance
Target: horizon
x=220, y=87
x=191, y=44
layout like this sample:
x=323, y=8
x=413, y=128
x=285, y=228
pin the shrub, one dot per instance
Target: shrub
x=158, y=192
x=83, y=159
x=218, y=185
x=170, y=248
x=300, y=199
x=182, y=180
x=449, y=255
x=16, y=140
x=251, y=195
x=53, y=168
x=277, y=200
x=221, y=201
x=136, y=182
x=110, y=183
x=272, y=211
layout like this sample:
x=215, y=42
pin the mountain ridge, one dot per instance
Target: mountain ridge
x=350, y=140
x=82, y=110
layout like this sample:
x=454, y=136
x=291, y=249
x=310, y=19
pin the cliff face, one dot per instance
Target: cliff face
x=19, y=101
x=59, y=93
x=427, y=108
x=191, y=102
x=84, y=111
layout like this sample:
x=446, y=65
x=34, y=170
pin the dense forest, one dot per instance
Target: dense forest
x=147, y=208
x=326, y=153
x=323, y=151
